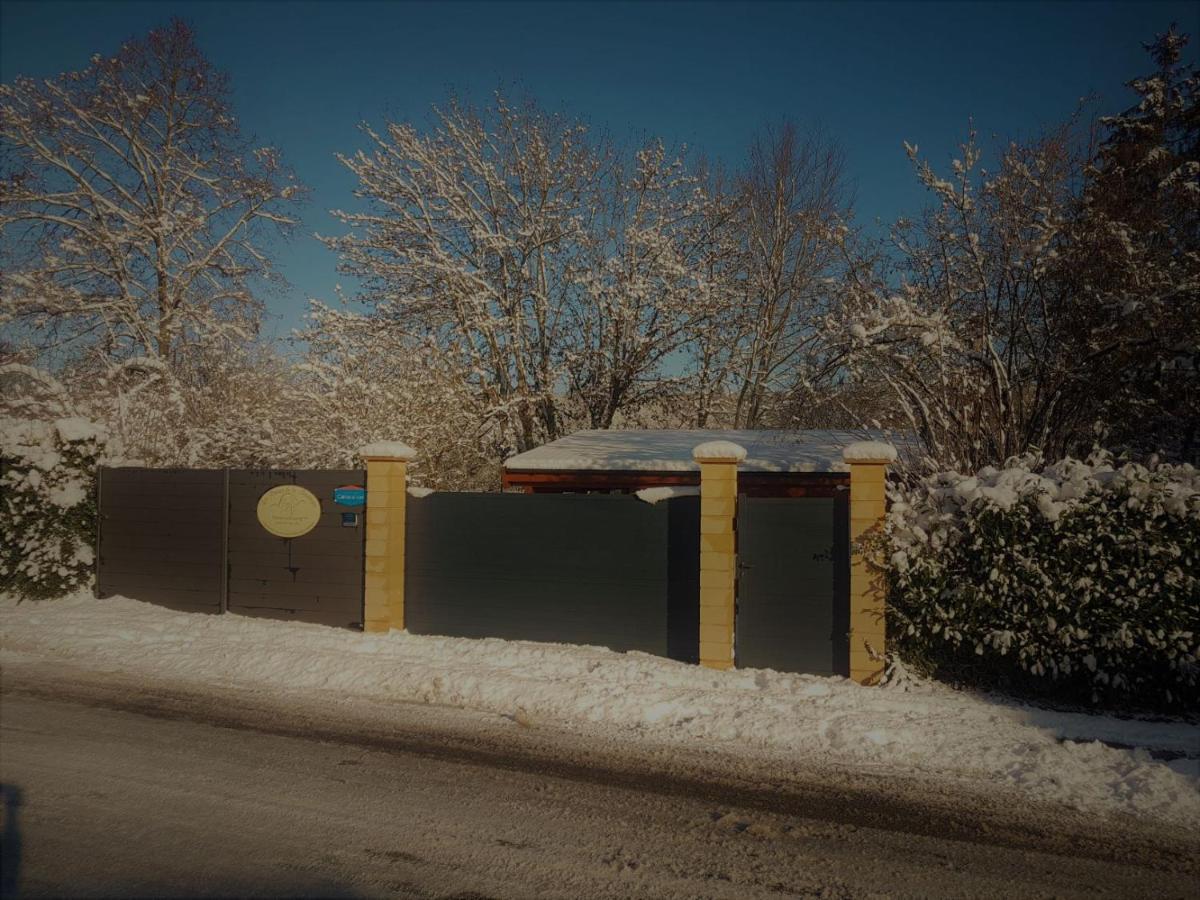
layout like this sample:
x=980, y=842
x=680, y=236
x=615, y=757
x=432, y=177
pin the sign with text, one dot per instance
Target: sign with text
x=350, y=495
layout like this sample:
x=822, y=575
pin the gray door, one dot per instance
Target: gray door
x=793, y=579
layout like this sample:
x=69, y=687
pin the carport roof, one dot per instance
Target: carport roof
x=661, y=450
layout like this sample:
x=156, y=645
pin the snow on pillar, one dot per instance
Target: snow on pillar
x=868, y=461
x=387, y=483
x=718, y=550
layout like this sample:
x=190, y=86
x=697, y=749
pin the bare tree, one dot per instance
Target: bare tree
x=794, y=203
x=566, y=281
x=130, y=206
x=651, y=291
x=473, y=240
x=361, y=379
x=1049, y=304
x=971, y=339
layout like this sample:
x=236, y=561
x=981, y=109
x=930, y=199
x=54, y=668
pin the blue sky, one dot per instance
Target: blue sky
x=706, y=74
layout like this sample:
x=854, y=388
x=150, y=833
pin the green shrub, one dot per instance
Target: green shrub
x=1077, y=579
x=48, y=505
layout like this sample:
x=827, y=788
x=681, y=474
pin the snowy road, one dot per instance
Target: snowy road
x=135, y=792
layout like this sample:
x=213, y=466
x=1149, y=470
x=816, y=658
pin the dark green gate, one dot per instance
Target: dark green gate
x=793, y=584
x=567, y=568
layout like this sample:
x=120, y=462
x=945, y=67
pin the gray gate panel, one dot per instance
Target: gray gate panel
x=316, y=577
x=790, y=592
x=160, y=536
x=569, y=568
x=841, y=583
x=683, y=578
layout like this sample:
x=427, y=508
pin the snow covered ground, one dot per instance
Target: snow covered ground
x=918, y=731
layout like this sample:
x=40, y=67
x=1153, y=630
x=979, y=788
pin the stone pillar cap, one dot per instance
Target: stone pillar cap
x=719, y=451
x=869, y=452
x=387, y=450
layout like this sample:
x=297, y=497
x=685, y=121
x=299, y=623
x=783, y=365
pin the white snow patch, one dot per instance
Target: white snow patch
x=387, y=450
x=922, y=730
x=875, y=451
x=652, y=495
x=718, y=450
x=79, y=429
x=67, y=494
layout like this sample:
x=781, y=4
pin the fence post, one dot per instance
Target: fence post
x=868, y=462
x=718, y=549
x=387, y=492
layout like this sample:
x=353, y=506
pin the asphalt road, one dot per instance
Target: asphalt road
x=114, y=791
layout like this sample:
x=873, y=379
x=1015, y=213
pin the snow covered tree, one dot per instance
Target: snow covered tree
x=1137, y=257
x=653, y=289
x=362, y=380
x=559, y=278
x=474, y=241
x=971, y=339
x=1050, y=304
x=793, y=204
x=132, y=212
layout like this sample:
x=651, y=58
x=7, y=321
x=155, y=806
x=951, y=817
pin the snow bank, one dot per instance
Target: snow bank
x=924, y=730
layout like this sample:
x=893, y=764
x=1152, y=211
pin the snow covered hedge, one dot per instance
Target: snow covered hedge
x=47, y=505
x=1082, y=578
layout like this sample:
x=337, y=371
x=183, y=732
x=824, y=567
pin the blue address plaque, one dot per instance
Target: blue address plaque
x=350, y=495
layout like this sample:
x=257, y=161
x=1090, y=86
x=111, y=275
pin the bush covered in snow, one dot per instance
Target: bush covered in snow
x=1077, y=577
x=47, y=504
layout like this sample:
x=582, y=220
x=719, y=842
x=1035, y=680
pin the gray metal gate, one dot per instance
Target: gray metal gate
x=570, y=568
x=190, y=539
x=793, y=584
x=317, y=577
x=162, y=536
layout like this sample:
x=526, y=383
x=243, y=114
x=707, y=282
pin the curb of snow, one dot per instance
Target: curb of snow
x=926, y=730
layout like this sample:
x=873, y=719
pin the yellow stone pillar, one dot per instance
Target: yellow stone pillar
x=868, y=462
x=718, y=549
x=387, y=492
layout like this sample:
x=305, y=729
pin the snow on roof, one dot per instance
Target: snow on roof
x=671, y=450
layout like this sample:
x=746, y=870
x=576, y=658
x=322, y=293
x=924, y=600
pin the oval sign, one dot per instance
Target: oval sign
x=289, y=511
